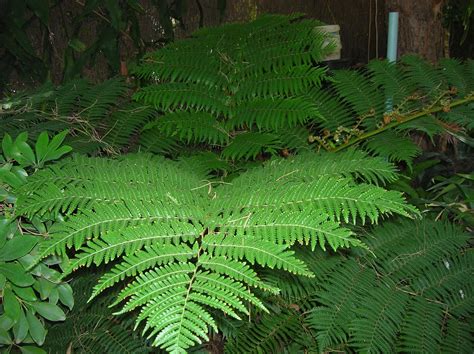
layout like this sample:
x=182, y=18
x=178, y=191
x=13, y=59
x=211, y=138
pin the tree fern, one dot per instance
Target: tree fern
x=189, y=245
x=242, y=76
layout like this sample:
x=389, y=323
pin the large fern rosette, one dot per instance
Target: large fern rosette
x=186, y=246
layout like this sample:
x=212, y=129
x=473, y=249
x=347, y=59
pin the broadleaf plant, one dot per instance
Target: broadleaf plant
x=32, y=292
x=184, y=245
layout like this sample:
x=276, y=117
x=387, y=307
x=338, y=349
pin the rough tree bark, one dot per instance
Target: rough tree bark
x=420, y=28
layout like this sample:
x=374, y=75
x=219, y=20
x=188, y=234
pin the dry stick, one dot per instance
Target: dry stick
x=407, y=119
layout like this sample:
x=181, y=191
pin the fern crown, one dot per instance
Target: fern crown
x=191, y=245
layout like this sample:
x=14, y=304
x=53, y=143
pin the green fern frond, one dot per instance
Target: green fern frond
x=191, y=127
x=447, y=280
x=237, y=270
x=176, y=66
x=138, y=262
x=421, y=328
x=273, y=113
x=352, y=163
x=270, y=335
x=248, y=75
x=461, y=116
x=98, y=100
x=255, y=251
x=458, y=338
x=333, y=113
x=423, y=75
x=115, y=244
x=456, y=75
x=108, y=218
x=248, y=145
x=337, y=299
x=188, y=247
x=362, y=95
x=180, y=95
x=154, y=141
x=126, y=122
x=290, y=227
x=68, y=96
x=367, y=306
x=391, y=79
x=297, y=81
x=338, y=198
x=293, y=139
x=378, y=320
x=91, y=327
x=393, y=147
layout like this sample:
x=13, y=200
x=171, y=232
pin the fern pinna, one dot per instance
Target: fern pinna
x=190, y=245
x=415, y=295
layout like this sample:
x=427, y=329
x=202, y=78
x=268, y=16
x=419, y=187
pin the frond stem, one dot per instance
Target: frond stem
x=409, y=118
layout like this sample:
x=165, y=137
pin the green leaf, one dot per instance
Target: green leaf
x=7, y=147
x=15, y=273
x=41, y=146
x=5, y=337
x=56, y=154
x=26, y=293
x=11, y=305
x=26, y=153
x=53, y=151
x=54, y=296
x=17, y=247
x=20, y=330
x=66, y=296
x=2, y=281
x=32, y=350
x=44, y=287
x=49, y=311
x=5, y=227
x=6, y=322
x=37, y=330
x=10, y=178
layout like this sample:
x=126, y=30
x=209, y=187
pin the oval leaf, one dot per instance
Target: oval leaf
x=37, y=330
x=11, y=305
x=49, y=311
x=15, y=273
x=65, y=295
x=17, y=247
x=20, y=330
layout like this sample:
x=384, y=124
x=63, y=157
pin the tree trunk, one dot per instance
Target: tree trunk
x=420, y=28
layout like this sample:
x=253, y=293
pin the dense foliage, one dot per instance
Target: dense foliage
x=415, y=295
x=31, y=290
x=256, y=225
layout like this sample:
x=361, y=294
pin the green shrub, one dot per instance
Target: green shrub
x=31, y=291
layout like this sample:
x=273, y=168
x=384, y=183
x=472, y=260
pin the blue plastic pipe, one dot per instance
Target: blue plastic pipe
x=392, y=40
x=392, y=46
